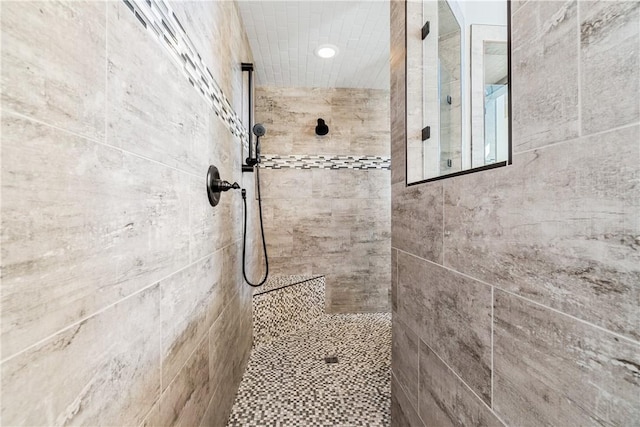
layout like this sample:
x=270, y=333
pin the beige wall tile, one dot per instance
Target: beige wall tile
x=403, y=414
x=552, y=369
x=447, y=401
x=545, y=65
x=46, y=73
x=450, y=313
x=102, y=371
x=560, y=222
x=416, y=223
x=405, y=353
x=91, y=222
x=609, y=64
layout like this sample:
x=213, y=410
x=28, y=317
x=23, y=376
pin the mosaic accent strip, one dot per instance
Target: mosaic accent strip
x=278, y=282
x=159, y=20
x=268, y=161
x=288, y=383
x=283, y=310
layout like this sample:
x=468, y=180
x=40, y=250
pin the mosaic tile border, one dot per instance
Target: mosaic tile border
x=268, y=161
x=159, y=20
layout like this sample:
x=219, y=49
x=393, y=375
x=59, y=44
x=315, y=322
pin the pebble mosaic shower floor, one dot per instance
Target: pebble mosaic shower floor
x=289, y=383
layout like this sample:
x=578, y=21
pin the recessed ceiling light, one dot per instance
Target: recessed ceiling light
x=326, y=51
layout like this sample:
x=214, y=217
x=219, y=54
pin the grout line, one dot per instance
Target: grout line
x=87, y=138
x=417, y=391
x=463, y=382
x=406, y=395
x=555, y=310
x=567, y=141
x=492, y=346
x=103, y=309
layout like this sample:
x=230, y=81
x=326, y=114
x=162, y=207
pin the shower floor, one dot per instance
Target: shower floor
x=288, y=382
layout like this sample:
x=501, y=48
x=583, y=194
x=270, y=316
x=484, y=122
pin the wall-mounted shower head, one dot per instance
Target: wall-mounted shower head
x=259, y=130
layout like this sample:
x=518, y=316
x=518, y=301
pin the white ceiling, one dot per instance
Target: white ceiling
x=285, y=34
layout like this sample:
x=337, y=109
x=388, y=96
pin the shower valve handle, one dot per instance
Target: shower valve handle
x=215, y=185
x=221, y=185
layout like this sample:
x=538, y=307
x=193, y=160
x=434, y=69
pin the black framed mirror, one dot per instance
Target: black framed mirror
x=458, y=92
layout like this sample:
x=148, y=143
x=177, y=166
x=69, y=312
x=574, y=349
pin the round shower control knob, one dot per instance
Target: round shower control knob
x=215, y=185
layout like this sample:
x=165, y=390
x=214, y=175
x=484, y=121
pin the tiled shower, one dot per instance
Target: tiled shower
x=512, y=294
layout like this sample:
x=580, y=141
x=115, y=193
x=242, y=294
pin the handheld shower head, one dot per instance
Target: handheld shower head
x=259, y=130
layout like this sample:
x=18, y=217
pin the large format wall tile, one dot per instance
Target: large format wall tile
x=405, y=352
x=445, y=400
x=452, y=314
x=610, y=64
x=551, y=369
x=334, y=223
x=416, y=225
x=229, y=347
x=398, y=96
x=46, y=73
x=185, y=399
x=560, y=222
x=161, y=116
x=192, y=300
x=115, y=361
x=212, y=228
x=83, y=225
x=394, y=280
x=546, y=105
x=403, y=414
x=358, y=120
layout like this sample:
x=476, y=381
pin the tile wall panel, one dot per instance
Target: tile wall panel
x=103, y=371
x=609, y=35
x=115, y=270
x=543, y=253
x=326, y=199
x=62, y=82
x=552, y=369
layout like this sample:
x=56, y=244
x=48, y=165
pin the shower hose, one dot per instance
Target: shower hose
x=244, y=236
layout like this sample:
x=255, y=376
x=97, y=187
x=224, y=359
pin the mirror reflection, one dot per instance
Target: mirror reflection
x=458, y=112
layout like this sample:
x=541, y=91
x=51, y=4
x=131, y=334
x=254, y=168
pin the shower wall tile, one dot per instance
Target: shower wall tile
x=157, y=117
x=402, y=412
x=394, y=280
x=545, y=66
x=229, y=347
x=405, y=352
x=556, y=232
x=212, y=228
x=554, y=370
x=450, y=313
x=331, y=222
x=115, y=360
x=115, y=270
x=358, y=120
x=95, y=223
x=398, y=95
x=610, y=64
x=217, y=31
x=447, y=401
x=559, y=222
x=46, y=73
x=185, y=400
x=416, y=226
x=285, y=184
x=192, y=300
